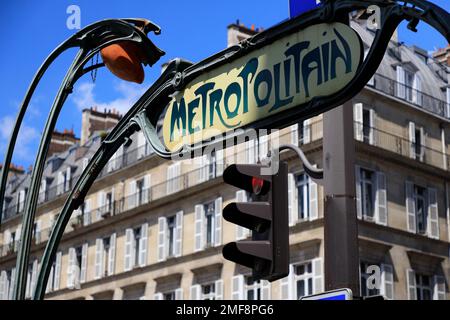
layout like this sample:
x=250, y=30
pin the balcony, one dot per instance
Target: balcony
x=410, y=95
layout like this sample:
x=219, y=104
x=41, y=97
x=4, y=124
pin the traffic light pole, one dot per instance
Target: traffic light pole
x=341, y=229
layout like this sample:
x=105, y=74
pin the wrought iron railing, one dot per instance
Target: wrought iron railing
x=401, y=146
x=409, y=94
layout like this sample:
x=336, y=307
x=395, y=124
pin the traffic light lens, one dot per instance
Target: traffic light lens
x=257, y=185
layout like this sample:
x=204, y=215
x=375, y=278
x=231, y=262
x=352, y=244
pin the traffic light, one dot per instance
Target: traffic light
x=267, y=254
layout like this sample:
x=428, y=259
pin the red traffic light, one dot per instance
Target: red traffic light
x=257, y=185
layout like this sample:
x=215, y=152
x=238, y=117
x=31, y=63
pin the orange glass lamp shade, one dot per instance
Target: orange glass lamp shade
x=124, y=61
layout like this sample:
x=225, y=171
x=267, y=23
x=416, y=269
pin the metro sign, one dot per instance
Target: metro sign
x=297, y=7
x=318, y=61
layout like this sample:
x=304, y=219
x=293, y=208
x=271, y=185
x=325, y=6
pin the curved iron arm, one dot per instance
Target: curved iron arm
x=157, y=93
x=91, y=41
x=145, y=113
x=310, y=170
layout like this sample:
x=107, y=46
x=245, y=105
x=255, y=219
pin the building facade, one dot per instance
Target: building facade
x=153, y=229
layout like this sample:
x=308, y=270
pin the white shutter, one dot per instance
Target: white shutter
x=411, y=284
x=263, y=146
x=84, y=252
x=412, y=140
x=70, y=270
x=195, y=292
x=33, y=277
x=57, y=271
x=294, y=134
x=433, y=214
x=439, y=288
x=177, y=176
x=170, y=181
x=287, y=285
x=417, y=89
x=307, y=131
x=37, y=234
x=132, y=195
x=85, y=163
x=381, y=199
x=199, y=225
x=387, y=281
x=358, y=119
x=59, y=183
x=220, y=162
x=292, y=198
x=372, y=127
x=410, y=207
x=3, y=280
x=99, y=258
x=313, y=200
x=179, y=234
x=87, y=212
x=401, y=90
x=112, y=254
x=203, y=170
x=179, y=294
x=317, y=268
x=162, y=229
x=68, y=178
x=101, y=202
x=423, y=142
x=218, y=293
x=12, y=284
x=158, y=296
x=241, y=232
x=237, y=286
x=265, y=290
x=358, y=192
x=128, y=249
x=143, y=244
x=49, y=287
x=146, y=192
x=218, y=222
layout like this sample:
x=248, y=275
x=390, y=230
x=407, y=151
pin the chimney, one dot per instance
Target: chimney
x=93, y=120
x=443, y=55
x=14, y=170
x=238, y=32
x=61, y=141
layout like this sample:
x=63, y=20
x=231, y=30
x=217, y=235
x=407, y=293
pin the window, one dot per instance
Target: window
x=364, y=118
x=212, y=165
x=303, y=197
x=170, y=236
x=139, y=191
x=173, y=178
x=421, y=211
x=209, y=223
x=448, y=102
x=367, y=194
x=303, y=277
x=208, y=291
x=171, y=225
x=55, y=273
x=63, y=181
x=409, y=83
x=140, y=187
x=21, y=200
x=253, y=289
x=77, y=266
x=36, y=233
x=371, y=195
x=418, y=143
x=423, y=287
x=169, y=295
x=105, y=256
x=365, y=291
x=12, y=242
x=136, y=247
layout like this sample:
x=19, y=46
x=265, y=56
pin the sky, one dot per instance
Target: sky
x=192, y=30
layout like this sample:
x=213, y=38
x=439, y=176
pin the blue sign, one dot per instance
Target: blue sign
x=297, y=7
x=341, y=294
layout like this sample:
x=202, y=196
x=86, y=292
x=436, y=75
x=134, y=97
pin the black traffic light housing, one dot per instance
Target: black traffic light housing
x=267, y=254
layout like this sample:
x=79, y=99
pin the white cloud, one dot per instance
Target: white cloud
x=129, y=93
x=26, y=142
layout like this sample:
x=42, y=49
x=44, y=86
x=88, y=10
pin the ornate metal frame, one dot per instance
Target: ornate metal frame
x=144, y=115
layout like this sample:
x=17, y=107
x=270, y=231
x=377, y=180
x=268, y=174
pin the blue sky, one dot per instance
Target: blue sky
x=190, y=29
